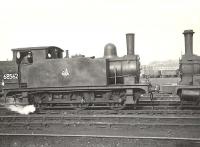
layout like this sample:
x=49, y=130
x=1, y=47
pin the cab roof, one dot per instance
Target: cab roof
x=37, y=48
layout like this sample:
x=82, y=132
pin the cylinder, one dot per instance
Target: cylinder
x=188, y=42
x=130, y=43
x=110, y=51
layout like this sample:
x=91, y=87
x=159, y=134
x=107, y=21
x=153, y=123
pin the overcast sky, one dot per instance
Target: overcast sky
x=85, y=26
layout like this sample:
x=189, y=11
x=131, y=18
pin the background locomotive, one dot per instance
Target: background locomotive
x=8, y=72
x=189, y=67
x=46, y=78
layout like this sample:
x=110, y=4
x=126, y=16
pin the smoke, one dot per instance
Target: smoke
x=22, y=109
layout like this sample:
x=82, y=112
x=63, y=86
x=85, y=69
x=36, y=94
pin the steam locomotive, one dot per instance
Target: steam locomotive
x=189, y=68
x=44, y=78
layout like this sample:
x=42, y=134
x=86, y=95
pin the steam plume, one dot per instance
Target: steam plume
x=22, y=109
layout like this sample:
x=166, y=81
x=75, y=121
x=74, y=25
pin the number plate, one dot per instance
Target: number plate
x=10, y=76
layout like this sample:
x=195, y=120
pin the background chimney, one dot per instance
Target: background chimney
x=188, y=42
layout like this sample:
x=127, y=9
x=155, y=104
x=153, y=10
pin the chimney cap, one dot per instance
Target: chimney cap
x=188, y=32
x=130, y=34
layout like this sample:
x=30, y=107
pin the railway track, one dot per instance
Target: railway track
x=165, y=126
x=58, y=140
x=148, y=125
x=139, y=130
x=120, y=119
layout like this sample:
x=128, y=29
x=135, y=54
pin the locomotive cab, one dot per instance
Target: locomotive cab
x=24, y=57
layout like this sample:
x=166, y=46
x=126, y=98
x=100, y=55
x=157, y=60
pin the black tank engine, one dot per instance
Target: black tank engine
x=46, y=78
x=189, y=67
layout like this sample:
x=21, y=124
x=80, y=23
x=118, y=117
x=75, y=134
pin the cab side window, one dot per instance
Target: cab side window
x=25, y=57
x=49, y=54
x=53, y=54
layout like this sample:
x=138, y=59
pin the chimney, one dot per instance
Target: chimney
x=67, y=53
x=188, y=42
x=130, y=43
